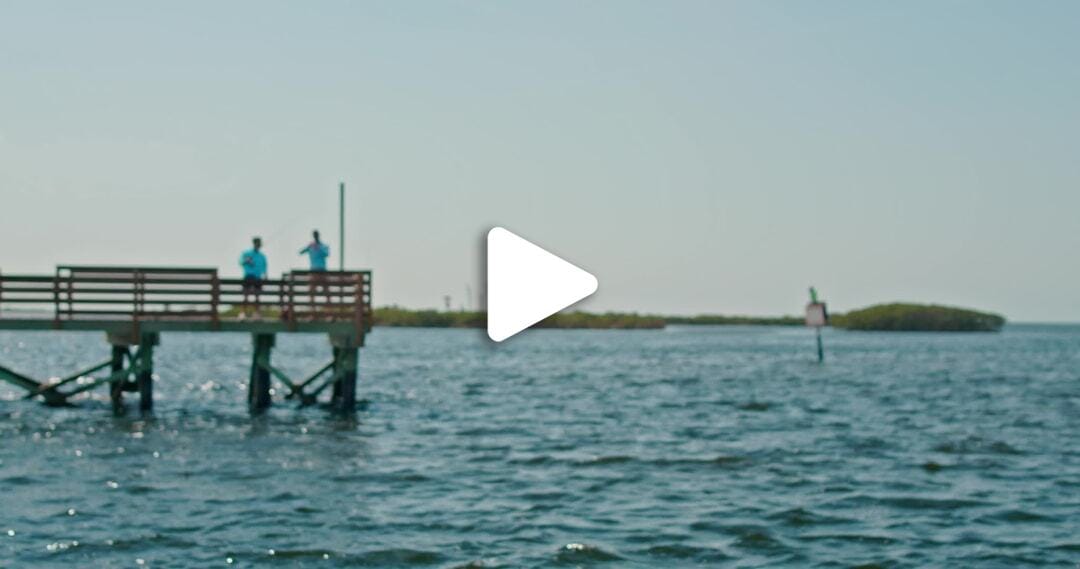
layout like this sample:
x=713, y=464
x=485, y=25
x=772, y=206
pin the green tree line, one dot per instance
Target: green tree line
x=918, y=317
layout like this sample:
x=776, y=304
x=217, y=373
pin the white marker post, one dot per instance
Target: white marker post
x=817, y=316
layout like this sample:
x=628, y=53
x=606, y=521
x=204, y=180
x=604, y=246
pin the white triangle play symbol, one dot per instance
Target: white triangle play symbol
x=526, y=284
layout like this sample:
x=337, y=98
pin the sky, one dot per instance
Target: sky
x=697, y=157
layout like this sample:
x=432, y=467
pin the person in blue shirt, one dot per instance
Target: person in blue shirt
x=253, y=262
x=317, y=252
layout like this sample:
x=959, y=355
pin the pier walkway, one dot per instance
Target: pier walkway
x=133, y=306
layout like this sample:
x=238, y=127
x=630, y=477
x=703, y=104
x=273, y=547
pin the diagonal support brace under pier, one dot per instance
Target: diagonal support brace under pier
x=123, y=364
x=52, y=388
x=34, y=387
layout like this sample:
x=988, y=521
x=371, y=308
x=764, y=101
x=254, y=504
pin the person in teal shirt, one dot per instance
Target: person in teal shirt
x=317, y=252
x=253, y=262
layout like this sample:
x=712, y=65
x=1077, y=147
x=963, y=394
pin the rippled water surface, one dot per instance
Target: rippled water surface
x=711, y=446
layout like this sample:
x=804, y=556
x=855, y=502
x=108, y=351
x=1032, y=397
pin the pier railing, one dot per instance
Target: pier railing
x=144, y=294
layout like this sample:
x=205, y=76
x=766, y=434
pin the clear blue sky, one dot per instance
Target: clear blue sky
x=695, y=156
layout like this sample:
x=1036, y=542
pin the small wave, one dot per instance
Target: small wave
x=551, y=496
x=722, y=461
x=976, y=445
x=1017, y=516
x=906, y=502
x=800, y=517
x=395, y=557
x=867, y=443
x=400, y=476
x=139, y=543
x=303, y=554
x=244, y=476
x=686, y=552
x=477, y=564
x=747, y=536
x=851, y=538
x=607, y=460
x=921, y=503
x=759, y=540
x=18, y=480
x=1001, y=560
x=534, y=460
x=139, y=489
x=583, y=553
x=679, y=381
x=602, y=485
x=931, y=466
x=492, y=432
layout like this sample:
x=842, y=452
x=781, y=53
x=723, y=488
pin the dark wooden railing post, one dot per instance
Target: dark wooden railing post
x=69, y=289
x=283, y=297
x=56, y=297
x=292, y=302
x=215, y=300
x=136, y=292
x=358, y=305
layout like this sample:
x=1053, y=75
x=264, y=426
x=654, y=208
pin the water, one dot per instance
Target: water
x=718, y=446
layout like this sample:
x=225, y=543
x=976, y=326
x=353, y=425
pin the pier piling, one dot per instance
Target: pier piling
x=335, y=389
x=124, y=366
x=346, y=356
x=259, y=385
x=116, y=386
x=144, y=378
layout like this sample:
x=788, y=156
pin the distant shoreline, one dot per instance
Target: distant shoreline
x=884, y=317
x=394, y=316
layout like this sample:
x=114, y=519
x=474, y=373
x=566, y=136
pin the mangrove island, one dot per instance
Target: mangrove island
x=908, y=317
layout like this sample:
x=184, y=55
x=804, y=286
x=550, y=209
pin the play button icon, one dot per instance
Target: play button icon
x=526, y=284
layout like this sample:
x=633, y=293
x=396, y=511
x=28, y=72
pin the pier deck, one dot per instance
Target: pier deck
x=133, y=306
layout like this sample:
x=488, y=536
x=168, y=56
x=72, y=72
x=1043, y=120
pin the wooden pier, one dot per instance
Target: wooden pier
x=133, y=306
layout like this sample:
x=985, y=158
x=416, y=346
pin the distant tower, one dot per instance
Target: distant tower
x=446, y=301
